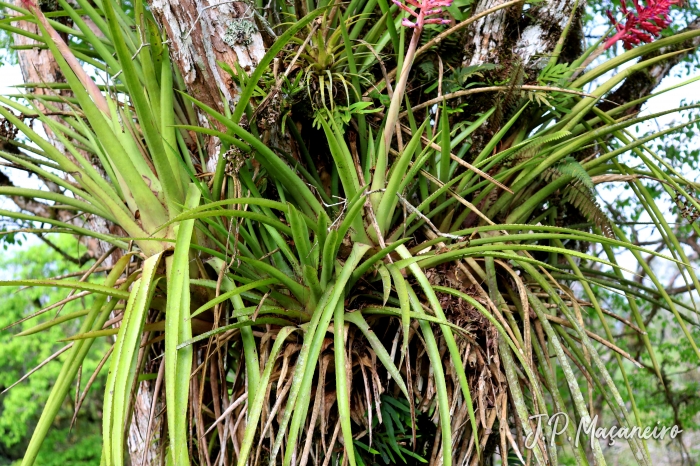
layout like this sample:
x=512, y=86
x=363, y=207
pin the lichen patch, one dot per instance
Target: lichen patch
x=240, y=32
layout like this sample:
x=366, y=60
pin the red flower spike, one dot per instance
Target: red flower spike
x=643, y=25
x=422, y=11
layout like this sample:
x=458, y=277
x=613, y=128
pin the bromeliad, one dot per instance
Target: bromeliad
x=423, y=10
x=643, y=25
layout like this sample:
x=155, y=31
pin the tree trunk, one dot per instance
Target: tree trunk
x=200, y=36
x=531, y=38
x=486, y=35
x=539, y=38
x=202, y=33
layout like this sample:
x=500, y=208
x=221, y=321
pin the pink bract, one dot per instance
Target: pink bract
x=642, y=25
x=422, y=12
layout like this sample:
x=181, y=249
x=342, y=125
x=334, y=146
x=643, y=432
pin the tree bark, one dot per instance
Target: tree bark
x=38, y=66
x=539, y=38
x=503, y=35
x=486, y=35
x=202, y=33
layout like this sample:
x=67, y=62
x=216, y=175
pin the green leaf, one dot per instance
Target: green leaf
x=71, y=284
x=255, y=408
x=272, y=52
x=229, y=294
x=178, y=363
x=270, y=160
x=342, y=158
x=122, y=369
x=383, y=355
x=389, y=198
x=341, y=380
x=386, y=283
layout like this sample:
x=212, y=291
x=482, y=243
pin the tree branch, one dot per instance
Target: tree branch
x=37, y=208
x=75, y=260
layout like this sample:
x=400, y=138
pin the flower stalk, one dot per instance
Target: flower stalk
x=423, y=12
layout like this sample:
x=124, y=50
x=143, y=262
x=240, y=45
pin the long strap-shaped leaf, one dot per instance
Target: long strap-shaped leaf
x=164, y=168
x=451, y=345
x=268, y=159
x=229, y=294
x=327, y=312
x=122, y=368
x=341, y=379
x=383, y=355
x=298, y=373
x=537, y=394
x=58, y=198
x=177, y=330
x=577, y=397
x=250, y=349
x=443, y=404
x=308, y=357
x=109, y=140
x=72, y=284
x=343, y=160
x=387, y=205
x=518, y=398
x=507, y=357
x=96, y=318
x=619, y=407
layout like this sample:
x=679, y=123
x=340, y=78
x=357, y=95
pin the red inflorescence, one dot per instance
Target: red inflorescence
x=423, y=10
x=643, y=25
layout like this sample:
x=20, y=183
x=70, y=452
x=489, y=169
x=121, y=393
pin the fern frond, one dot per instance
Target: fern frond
x=553, y=74
x=528, y=149
x=580, y=192
x=584, y=200
x=515, y=83
x=510, y=97
x=427, y=70
x=573, y=168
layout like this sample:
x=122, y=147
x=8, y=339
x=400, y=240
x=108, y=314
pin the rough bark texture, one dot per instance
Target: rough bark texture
x=38, y=66
x=139, y=452
x=539, y=38
x=202, y=33
x=501, y=36
x=486, y=35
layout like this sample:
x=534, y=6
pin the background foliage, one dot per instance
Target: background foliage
x=22, y=405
